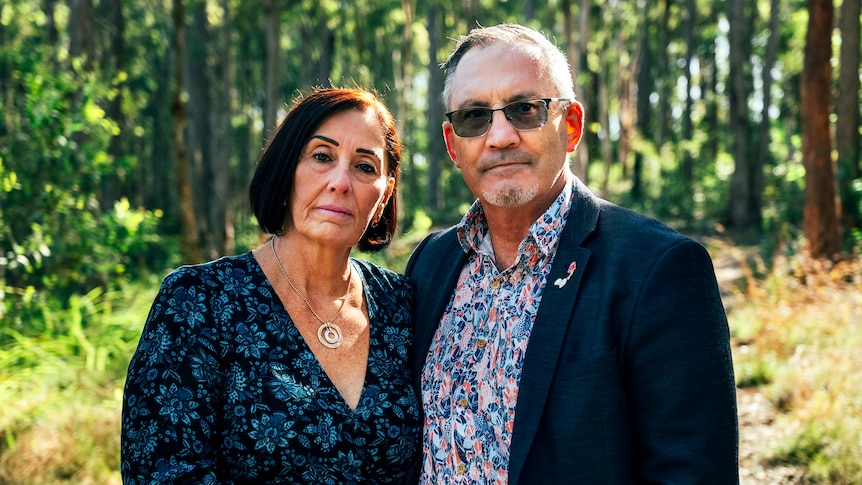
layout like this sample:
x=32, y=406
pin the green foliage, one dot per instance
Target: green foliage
x=56, y=231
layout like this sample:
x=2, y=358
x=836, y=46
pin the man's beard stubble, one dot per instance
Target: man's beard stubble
x=511, y=196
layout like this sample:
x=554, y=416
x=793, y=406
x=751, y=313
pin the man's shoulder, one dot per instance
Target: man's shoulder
x=615, y=218
x=440, y=240
x=434, y=250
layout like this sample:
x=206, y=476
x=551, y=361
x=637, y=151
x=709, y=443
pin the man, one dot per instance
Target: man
x=559, y=338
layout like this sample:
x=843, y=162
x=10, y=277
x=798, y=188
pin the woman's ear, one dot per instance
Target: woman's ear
x=390, y=187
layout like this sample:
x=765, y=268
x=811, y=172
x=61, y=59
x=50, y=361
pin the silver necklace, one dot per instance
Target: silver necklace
x=328, y=333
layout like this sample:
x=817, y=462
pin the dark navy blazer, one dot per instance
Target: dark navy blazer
x=627, y=377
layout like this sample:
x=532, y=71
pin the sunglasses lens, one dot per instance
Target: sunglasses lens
x=527, y=115
x=471, y=122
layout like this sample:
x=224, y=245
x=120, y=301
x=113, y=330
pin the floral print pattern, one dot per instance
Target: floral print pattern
x=472, y=370
x=223, y=389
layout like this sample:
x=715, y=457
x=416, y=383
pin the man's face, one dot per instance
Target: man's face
x=506, y=167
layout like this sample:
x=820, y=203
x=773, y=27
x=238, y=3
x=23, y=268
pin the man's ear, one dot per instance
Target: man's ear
x=448, y=136
x=574, y=125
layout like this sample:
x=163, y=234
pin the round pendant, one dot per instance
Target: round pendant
x=330, y=335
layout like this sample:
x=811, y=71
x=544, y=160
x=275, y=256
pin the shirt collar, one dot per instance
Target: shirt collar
x=544, y=232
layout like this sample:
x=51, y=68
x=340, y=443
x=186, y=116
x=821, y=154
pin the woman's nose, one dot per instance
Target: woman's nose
x=339, y=177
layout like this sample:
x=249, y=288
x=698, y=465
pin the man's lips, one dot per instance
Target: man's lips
x=503, y=166
x=505, y=160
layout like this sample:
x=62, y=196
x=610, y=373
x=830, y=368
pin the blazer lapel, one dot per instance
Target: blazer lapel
x=549, y=329
x=442, y=266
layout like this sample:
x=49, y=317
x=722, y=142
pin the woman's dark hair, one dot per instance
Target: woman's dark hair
x=271, y=187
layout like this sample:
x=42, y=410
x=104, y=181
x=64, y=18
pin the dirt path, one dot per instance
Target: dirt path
x=757, y=431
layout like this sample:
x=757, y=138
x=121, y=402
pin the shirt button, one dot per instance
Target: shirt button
x=495, y=285
x=462, y=468
x=481, y=343
x=463, y=402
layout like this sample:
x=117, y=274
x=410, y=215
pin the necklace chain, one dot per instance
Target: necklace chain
x=328, y=333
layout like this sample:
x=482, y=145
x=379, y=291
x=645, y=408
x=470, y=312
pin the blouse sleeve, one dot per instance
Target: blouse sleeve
x=171, y=395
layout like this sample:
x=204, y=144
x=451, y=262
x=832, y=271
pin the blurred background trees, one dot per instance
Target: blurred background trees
x=130, y=128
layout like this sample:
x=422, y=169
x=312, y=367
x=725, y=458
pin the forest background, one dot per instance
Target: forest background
x=129, y=130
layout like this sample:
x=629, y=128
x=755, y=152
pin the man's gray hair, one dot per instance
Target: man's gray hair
x=553, y=62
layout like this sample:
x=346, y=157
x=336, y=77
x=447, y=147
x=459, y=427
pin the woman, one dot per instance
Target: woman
x=287, y=364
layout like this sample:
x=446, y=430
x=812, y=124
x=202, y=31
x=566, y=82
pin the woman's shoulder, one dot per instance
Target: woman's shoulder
x=381, y=277
x=212, y=273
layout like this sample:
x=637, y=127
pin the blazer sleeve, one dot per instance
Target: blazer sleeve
x=679, y=375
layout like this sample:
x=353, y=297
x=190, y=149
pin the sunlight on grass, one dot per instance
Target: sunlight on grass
x=61, y=377
x=798, y=335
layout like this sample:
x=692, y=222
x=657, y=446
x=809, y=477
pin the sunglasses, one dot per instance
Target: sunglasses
x=528, y=114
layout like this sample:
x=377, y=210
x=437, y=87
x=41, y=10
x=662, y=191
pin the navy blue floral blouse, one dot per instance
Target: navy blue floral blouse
x=223, y=389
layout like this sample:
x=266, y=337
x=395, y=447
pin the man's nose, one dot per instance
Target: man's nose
x=501, y=133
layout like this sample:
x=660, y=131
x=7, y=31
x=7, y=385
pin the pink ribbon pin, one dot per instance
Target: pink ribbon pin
x=561, y=282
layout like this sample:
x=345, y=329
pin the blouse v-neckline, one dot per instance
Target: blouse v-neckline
x=366, y=292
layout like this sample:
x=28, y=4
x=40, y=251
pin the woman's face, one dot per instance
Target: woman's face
x=341, y=180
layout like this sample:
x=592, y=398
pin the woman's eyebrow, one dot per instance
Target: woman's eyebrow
x=368, y=152
x=326, y=139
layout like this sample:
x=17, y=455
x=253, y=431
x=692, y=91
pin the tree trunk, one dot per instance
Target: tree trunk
x=687, y=164
x=189, y=233
x=273, y=101
x=50, y=7
x=404, y=72
x=81, y=46
x=208, y=203
x=582, y=153
x=327, y=51
x=643, y=113
x=625, y=87
x=224, y=141
x=819, y=216
x=763, y=138
x=740, y=215
x=436, y=153
x=604, y=78
x=709, y=89
x=665, y=83
x=81, y=36
x=847, y=111
x=115, y=58
x=529, y=11
x=580, y=159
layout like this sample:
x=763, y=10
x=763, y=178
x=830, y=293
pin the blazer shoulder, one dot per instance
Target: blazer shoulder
x=633, y=227
x=434, y=249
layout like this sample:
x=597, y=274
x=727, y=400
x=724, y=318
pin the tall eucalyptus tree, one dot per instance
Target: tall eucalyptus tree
x=820, y=221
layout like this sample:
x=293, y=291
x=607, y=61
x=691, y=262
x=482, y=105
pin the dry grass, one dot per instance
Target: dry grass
x=798, y=333
x=63, y=437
